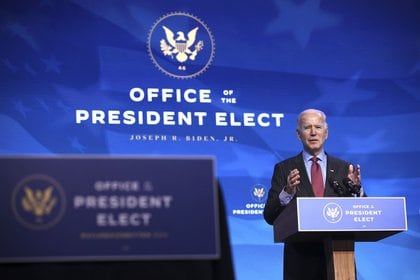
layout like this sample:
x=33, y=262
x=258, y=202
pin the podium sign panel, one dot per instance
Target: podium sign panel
x=352, y=214
x=107, y=208
x=359, y=219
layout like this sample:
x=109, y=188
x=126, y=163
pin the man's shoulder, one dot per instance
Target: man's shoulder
x=335, y=160
x=291, y=160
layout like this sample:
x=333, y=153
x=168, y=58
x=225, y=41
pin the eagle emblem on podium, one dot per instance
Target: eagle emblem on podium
x=333, y=212
x=39, y=202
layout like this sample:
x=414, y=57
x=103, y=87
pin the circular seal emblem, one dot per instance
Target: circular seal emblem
x=181, y=45
x=332, y=212
x=259, y=193
x=38, y=202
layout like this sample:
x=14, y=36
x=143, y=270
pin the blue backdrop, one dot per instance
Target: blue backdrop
x=67, y=69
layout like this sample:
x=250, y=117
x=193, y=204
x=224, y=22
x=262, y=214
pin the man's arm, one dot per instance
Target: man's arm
x=282, y=191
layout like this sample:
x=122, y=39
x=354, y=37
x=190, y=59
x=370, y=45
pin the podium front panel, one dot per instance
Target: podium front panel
x=351, y=214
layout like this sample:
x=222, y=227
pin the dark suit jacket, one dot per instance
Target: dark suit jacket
x=304, y=260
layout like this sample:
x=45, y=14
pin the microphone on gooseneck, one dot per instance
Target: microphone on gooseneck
x=336, y=184
x=338, y=188
x=352, y=188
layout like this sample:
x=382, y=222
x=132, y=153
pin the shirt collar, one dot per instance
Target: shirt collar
x=307, y=157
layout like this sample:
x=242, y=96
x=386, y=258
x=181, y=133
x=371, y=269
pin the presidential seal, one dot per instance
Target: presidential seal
x=181, y=45
x=38, y=202
x=332, y=213
x=259, y=193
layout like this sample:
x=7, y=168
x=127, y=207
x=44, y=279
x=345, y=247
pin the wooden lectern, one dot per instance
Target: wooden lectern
x=339, y=223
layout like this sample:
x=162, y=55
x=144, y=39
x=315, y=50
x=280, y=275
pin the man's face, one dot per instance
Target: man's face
x=312, y=132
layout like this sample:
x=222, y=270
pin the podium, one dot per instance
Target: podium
x=339, y=222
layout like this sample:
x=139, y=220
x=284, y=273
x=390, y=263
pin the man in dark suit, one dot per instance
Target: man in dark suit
x=294, y=177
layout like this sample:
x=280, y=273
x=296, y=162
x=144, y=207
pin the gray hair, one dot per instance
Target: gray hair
x=312, y=111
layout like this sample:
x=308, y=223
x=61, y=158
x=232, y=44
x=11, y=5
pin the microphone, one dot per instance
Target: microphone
x=353, y=189
x=338, y=188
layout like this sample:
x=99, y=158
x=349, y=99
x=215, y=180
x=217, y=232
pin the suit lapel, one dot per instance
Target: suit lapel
x=305, y=188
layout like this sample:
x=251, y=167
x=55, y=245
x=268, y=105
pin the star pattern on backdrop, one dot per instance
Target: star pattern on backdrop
x=125, y=16
x=339, y=95
x=301, y=20
x=52, y=64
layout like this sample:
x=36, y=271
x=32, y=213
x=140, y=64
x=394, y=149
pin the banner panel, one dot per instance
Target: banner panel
x=101, y=208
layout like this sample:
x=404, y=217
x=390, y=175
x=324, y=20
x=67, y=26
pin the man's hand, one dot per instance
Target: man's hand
x=354, y=175
x=293, y=180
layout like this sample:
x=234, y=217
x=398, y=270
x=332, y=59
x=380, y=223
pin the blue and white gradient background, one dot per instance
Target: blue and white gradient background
x=359, y=61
